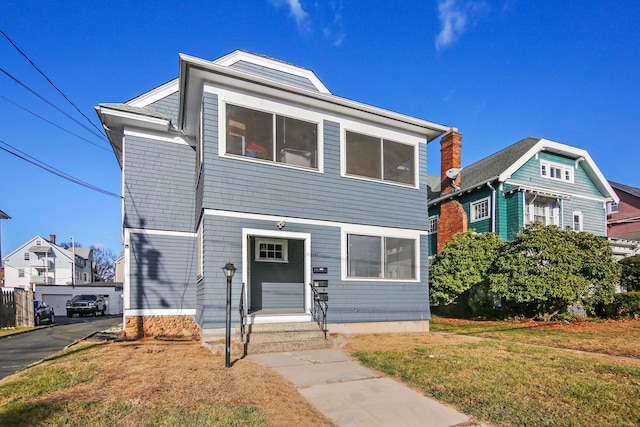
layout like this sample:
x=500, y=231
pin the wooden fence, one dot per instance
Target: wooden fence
x=16, y=308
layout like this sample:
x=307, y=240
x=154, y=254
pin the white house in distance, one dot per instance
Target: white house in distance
x=41, y=262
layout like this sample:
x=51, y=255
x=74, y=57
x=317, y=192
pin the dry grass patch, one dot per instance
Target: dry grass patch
x=161, y=383
x=509, y=384
x=618, y=338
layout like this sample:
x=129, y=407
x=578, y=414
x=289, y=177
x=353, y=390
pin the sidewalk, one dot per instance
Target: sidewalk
x=351, y=395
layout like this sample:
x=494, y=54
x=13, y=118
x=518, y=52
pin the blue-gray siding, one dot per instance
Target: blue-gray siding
x=159, y=185
x=167, y=106
x=273, y=74
x=162, y=272
x=269, y=188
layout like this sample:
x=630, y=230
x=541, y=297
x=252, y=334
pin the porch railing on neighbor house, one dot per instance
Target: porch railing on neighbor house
x=243, y=309
x=320, y=304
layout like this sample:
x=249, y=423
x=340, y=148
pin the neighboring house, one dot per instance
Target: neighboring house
x=251, y=160
x=42, y=262
x=623, y=221
x=532, y=180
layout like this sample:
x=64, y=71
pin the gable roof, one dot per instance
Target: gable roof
x=4, y=215
x=626, y=188
x=500, y=166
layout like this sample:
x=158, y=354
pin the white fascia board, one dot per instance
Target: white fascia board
x=239, y=55
x=194, y=72
x=590, y=167
x=154, y=95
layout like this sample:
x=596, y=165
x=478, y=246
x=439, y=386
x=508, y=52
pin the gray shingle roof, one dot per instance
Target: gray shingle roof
x=487, y=168
x=626, y=188
x=136, y=110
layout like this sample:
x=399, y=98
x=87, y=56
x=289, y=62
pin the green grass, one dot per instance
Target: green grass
x=12, y=331
x=511, y=384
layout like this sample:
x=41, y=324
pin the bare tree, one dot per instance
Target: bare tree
x=104, y=269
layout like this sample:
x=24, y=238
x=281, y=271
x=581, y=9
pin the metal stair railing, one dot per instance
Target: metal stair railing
x=319, y=308
x=244, y=312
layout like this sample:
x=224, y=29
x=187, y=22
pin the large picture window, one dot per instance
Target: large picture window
x=271, y=137
x=378, y=158
x=377, y=257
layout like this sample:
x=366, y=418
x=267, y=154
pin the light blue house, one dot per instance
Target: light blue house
x=534, y=179
x=251, y=160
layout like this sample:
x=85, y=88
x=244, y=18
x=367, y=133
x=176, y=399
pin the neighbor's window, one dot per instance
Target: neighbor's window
x=26, y=256
x=480, y=210
x=613, y=207
x=433, y=224
x=380, y=257
x=272, y=137
x=21, y=272
x=272, y=250
x=556, y=171
x=577, y=221
x=542, y=210
x=378, y=158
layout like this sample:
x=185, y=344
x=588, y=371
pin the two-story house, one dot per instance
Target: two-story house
x=252, y=161
x=532, y=180
x=42, y=262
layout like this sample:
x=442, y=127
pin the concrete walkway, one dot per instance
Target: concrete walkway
x=351, y=395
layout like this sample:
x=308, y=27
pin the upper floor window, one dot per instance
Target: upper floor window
x=556, y=171
x=480, y=210
x=271, y=137
x=433, y=224
x=380, y=257
x=613, y=207
x=378, y=158
x=27, y=256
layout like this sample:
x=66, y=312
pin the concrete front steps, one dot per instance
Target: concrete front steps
x=275, y=338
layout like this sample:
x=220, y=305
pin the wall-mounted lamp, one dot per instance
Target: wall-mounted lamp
x=281, y=225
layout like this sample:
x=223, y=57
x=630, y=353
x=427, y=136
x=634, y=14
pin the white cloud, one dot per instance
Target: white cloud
x=296, y=11
x=454, y=19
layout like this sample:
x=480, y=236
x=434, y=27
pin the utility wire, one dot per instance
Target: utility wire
x=99, y=135
x=54, y=171
x=53, y=124
x=47, y=78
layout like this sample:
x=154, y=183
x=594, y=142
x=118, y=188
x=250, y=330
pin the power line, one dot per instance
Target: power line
x=47, y=78
x=99, y=135
x=55, y=171
x=53, y=124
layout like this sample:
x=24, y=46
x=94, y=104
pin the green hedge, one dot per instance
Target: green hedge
x=624, y=306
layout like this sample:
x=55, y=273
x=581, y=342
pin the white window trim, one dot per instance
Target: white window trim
x=382, y=134
x=435, y=218
x=613, y=207
x=267, y=106
x=199, y=254
x=581, y=222
x=383, y=233
x=566, y=171
x=472, y=210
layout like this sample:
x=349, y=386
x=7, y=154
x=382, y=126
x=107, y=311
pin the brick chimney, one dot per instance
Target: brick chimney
x=453, y=218
x=52, y=238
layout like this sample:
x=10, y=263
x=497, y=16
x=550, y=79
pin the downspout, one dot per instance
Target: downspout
x=493, y=207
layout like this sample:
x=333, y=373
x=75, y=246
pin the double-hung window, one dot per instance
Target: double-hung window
x=543, y=210
x=433, y=224
x=379, y=158
x=480, y=210
x=577, y=221
x=377, y=257
x=272, y=137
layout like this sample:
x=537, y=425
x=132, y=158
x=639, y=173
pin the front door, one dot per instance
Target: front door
x=277, y=274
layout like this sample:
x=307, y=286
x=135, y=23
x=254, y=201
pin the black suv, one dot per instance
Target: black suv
x=86, y=304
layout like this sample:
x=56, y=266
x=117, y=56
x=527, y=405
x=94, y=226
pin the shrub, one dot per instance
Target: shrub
x=624, y=306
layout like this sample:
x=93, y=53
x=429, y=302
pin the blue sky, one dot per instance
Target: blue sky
x=497, y=70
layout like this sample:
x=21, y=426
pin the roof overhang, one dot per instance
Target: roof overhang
x=116, y=117
x=194, y=72
x=579, y=155
x=539, y=191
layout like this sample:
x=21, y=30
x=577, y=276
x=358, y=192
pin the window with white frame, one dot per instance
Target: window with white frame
x=541, y=209
x=577, y=221
x=271, y=250
x=272, y=137
x=27, y=256
x=480, y=210
x=377, y=257
x=379, y=158
x=433, y=224
x=556, y=171
x=612, y=207
x=21, y=272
